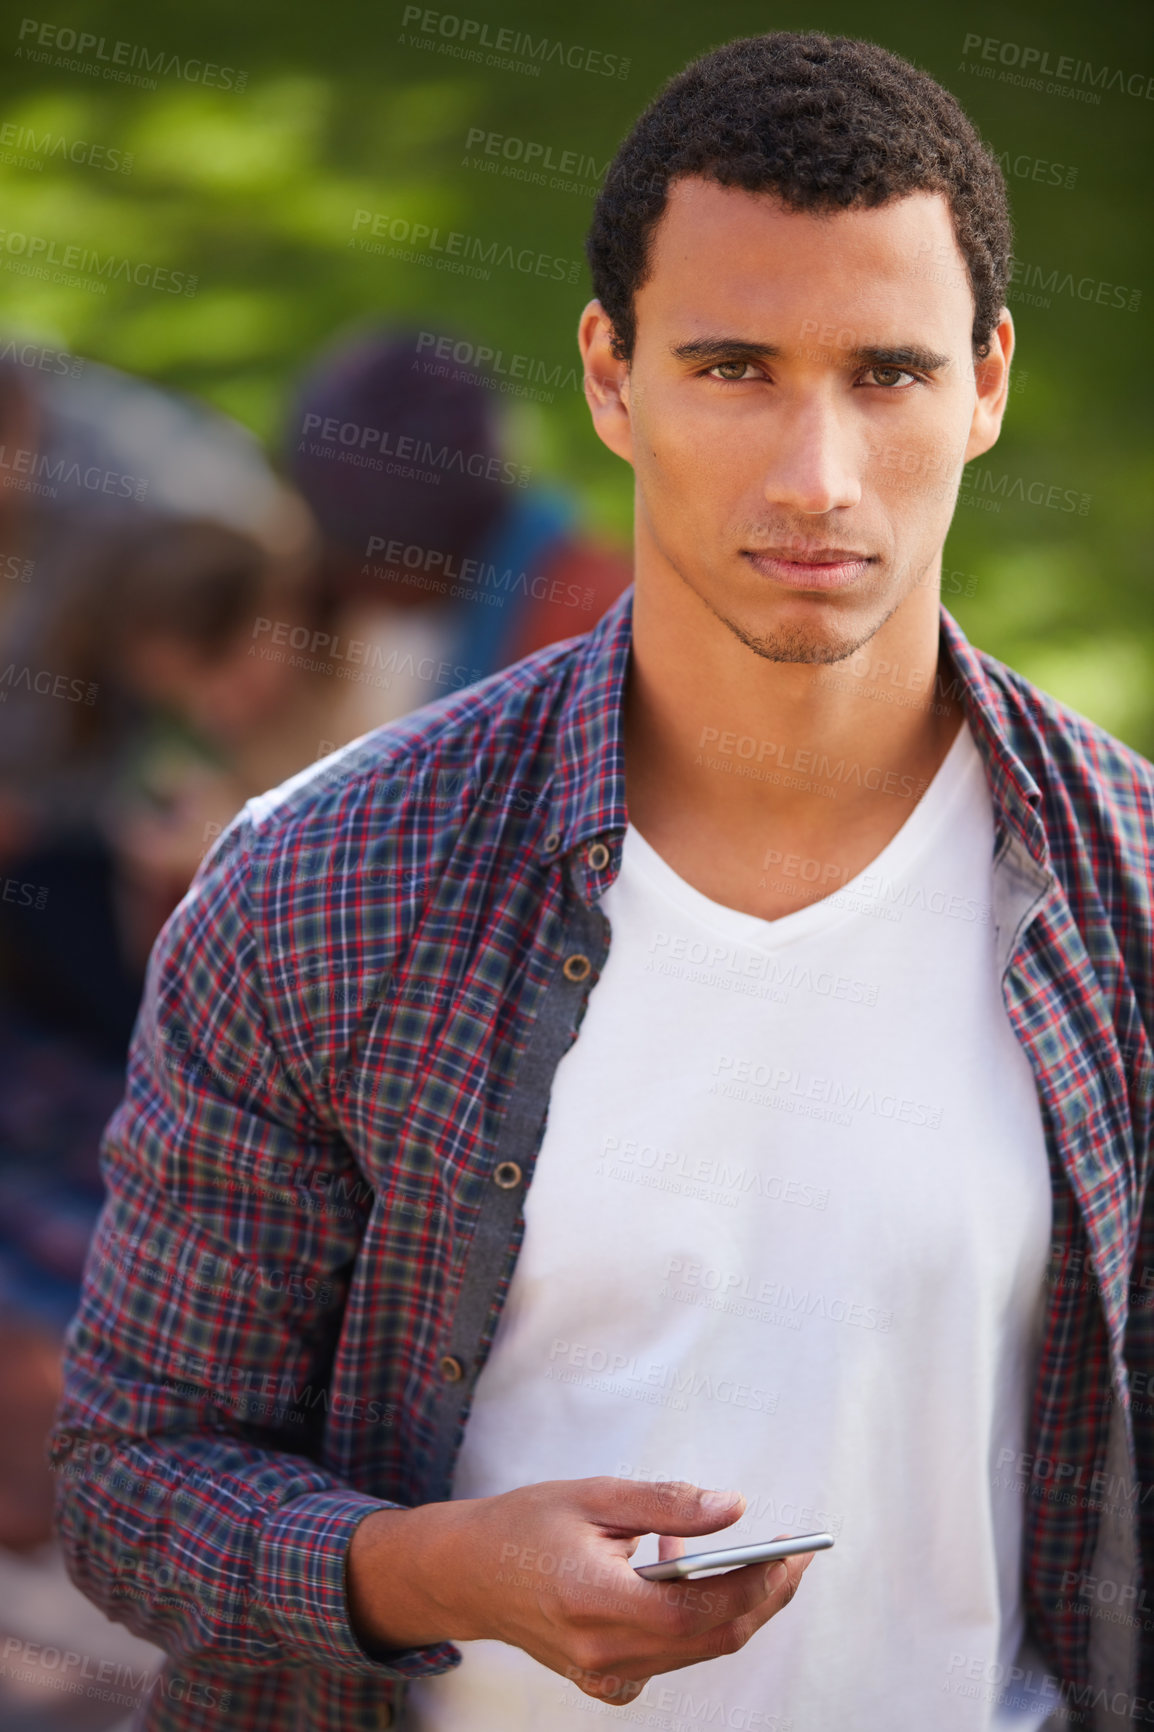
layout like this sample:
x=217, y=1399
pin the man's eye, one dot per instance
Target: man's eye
x=729, y=370
x=892, y=377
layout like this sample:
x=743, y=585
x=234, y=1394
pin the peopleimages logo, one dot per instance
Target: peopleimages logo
x=1023, y=166
x=68, y=1672
x=46, y=473
x=350, y=441
x=32, y=255
x=434, y=568
x=518, y=375
x=349, y=660
x=119, y=61
x=515, y=50
x=534, y=155
x=534, y=163
x=41, y=357
x=1034, y=64
x=1052, y=496
x=1045, y=280
x=45, y=684
x=468, y=255
x=24, y=147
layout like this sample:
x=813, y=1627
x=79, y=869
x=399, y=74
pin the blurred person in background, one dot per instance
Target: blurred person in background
x=141, y=532
x=160, y=626
x=183, y=644
x=440, y=551
x=129, y=494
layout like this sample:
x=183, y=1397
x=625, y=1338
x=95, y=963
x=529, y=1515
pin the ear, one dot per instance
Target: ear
x=992, y=380
x=607, y=382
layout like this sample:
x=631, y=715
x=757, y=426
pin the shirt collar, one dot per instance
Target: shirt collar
x=588, y=793
x=996, y=714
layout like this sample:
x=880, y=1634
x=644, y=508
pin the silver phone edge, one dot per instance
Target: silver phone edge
x=825, y=1541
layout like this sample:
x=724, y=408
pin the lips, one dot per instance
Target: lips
x=819, y=568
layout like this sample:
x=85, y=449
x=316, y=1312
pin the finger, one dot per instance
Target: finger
x=708, y=1602
x=625, y=1506
x=781, y=1581
x=755, y=1590
x=688, y=1628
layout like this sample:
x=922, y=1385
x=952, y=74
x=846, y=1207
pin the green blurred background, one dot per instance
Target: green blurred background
x=254, y=192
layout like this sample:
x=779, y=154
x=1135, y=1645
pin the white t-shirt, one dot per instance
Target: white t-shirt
x=788, y=1233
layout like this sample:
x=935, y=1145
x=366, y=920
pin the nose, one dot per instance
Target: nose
x=811, y=468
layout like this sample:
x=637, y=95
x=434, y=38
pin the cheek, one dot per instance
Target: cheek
x=685, y=455
x=916, y=464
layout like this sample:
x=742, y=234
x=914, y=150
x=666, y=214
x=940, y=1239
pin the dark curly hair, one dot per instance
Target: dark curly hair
x=826, y=123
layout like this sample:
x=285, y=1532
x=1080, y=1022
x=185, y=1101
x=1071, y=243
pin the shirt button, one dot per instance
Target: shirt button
x=576, y=967
x=451, y=1369
x=506, y=1175
x=598, y=856
x=552, y=842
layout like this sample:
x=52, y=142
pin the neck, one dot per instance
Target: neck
x=725, y=744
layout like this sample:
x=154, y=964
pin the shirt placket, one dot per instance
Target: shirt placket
x=577, y=962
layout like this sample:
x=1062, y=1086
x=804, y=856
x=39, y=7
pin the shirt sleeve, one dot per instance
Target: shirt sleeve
x=189, y=1501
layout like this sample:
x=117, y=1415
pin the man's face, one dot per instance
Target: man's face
x=800, y=402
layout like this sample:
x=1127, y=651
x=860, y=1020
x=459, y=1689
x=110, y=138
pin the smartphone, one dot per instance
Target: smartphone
x=732, y=1557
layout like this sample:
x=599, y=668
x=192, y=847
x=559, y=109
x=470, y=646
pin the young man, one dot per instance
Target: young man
x=668, y=1065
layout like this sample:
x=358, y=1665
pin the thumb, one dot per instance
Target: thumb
x=660, y=1506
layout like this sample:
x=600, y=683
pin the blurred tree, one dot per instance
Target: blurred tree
x=252, y=137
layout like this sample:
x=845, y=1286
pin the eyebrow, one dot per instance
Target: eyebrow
x=715, y=349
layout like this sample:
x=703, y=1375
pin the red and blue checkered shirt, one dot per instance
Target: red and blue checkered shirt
x=336, y=1092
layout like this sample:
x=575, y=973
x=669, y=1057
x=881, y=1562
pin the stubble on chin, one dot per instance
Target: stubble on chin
x=803, y=646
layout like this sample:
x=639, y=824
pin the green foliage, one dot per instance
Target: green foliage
x=254, y=193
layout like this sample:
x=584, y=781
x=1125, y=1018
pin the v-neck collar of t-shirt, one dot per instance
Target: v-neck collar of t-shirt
x=914, y=839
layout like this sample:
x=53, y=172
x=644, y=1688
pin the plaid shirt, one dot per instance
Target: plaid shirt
x=336, y=1092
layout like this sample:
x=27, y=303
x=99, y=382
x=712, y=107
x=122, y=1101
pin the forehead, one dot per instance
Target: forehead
x=725, y=260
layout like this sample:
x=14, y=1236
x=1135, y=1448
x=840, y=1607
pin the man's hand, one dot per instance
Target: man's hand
x=546, y=1568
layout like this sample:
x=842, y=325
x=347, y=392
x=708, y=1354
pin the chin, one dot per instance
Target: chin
x=814, y=634
x=811, y=643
